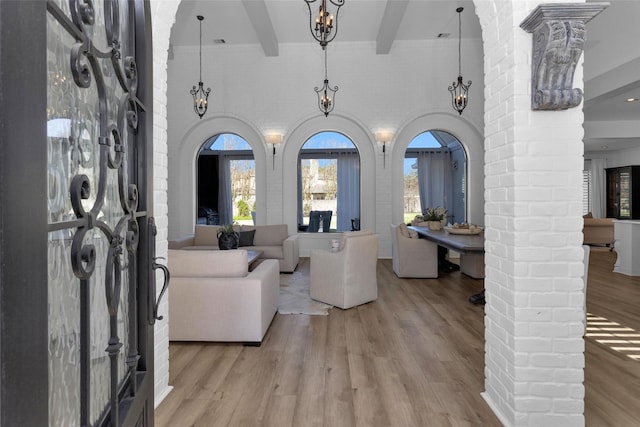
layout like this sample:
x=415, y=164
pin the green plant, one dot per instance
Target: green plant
x=227, y=228
x=243, y=208
x=434, y=214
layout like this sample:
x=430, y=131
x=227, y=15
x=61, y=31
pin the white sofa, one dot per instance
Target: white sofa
x=214, y=297
x=273, y=240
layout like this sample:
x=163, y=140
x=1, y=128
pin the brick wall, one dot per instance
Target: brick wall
x=533, y=170
x=534, y=346
x=162, y=18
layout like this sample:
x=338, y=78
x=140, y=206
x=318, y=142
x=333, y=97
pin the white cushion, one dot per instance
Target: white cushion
x=206, y=235
x=208, y=263
x=269, y=235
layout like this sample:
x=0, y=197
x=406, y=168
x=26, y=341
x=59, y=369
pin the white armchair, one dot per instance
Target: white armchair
x=413, y=257
x=348, y=277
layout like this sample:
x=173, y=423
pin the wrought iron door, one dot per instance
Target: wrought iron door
x=98, y=235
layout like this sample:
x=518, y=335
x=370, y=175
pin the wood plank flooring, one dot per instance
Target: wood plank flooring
x=612, y=378
x=413, y=357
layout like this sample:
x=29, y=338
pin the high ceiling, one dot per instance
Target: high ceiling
x=287, y=21
x=611, y=58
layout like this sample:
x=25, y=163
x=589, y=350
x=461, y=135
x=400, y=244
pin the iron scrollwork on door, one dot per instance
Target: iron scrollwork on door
x=93, y=101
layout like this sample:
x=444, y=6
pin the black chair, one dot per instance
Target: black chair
x=314, y=221
x=208, y=216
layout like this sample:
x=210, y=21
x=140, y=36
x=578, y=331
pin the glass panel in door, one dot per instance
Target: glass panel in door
x=94, y=169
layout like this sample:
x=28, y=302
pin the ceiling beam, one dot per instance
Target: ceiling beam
x=612, y=129
x=615, y=82
x=261, y=22
x=393, y=14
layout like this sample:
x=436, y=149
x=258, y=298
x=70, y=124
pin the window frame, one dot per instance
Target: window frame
x=329, y=153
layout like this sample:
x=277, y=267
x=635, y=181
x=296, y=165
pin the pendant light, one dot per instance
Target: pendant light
x=200, y=95
x=326, y=94
x=459, y=95
x=322, y=27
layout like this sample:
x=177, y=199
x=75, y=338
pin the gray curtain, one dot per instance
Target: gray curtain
x=435, y=179
x=225, y=202
x=348, y=190
x=598, y=187
x=300, y=206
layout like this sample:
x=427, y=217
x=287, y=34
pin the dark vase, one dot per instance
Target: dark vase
x=228, y=240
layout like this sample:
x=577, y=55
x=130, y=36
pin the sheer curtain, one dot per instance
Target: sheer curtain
x=300, y=196
x=598, y=185
x=225, y=204
x=434, y=179
x=348, y=190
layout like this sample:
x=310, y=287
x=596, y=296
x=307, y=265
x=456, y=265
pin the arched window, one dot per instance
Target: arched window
x=328, y=184
x=435, y=175
x=226, y=181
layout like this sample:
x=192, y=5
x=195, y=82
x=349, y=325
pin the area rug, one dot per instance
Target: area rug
x=295, y=297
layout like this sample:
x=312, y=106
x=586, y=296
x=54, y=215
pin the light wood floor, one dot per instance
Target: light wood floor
x=612, y=378
x=414, y=357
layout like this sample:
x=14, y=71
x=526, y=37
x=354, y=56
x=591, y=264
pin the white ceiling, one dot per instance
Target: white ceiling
x=360, y=20
x=612, y=53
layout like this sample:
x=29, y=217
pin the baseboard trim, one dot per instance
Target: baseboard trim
x=495, y=409
x=161, y=396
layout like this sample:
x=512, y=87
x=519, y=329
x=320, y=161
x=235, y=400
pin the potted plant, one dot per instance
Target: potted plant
x=435, y=217
x=228, y=238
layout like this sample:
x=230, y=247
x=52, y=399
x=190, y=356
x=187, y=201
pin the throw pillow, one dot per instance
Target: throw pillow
x=587, y=215
x=404, y=230
x=413, y=233
x=246, y=238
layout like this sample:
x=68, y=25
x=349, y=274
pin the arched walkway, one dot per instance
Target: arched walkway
x=532, y=211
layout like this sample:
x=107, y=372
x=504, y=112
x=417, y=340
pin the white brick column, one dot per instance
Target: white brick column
x=533, y=182
x=162, y=18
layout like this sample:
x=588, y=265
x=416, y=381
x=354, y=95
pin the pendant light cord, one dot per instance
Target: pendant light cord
x=325, y=63
x=459, y=43
x=200, y=50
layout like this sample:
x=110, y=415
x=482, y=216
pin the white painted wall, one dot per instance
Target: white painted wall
x=626, y=157
x=532, y=185
x=405, y=91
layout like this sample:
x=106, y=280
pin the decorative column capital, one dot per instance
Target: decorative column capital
x=559, y=33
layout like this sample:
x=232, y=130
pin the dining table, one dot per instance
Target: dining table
x=469, y=246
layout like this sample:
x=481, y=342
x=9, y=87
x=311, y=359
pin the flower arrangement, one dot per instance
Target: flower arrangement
x=434, y=214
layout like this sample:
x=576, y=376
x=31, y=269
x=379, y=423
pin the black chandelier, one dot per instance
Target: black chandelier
x=200, y=96
x=326, y=94
x=321, y=27
x=459, y=96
